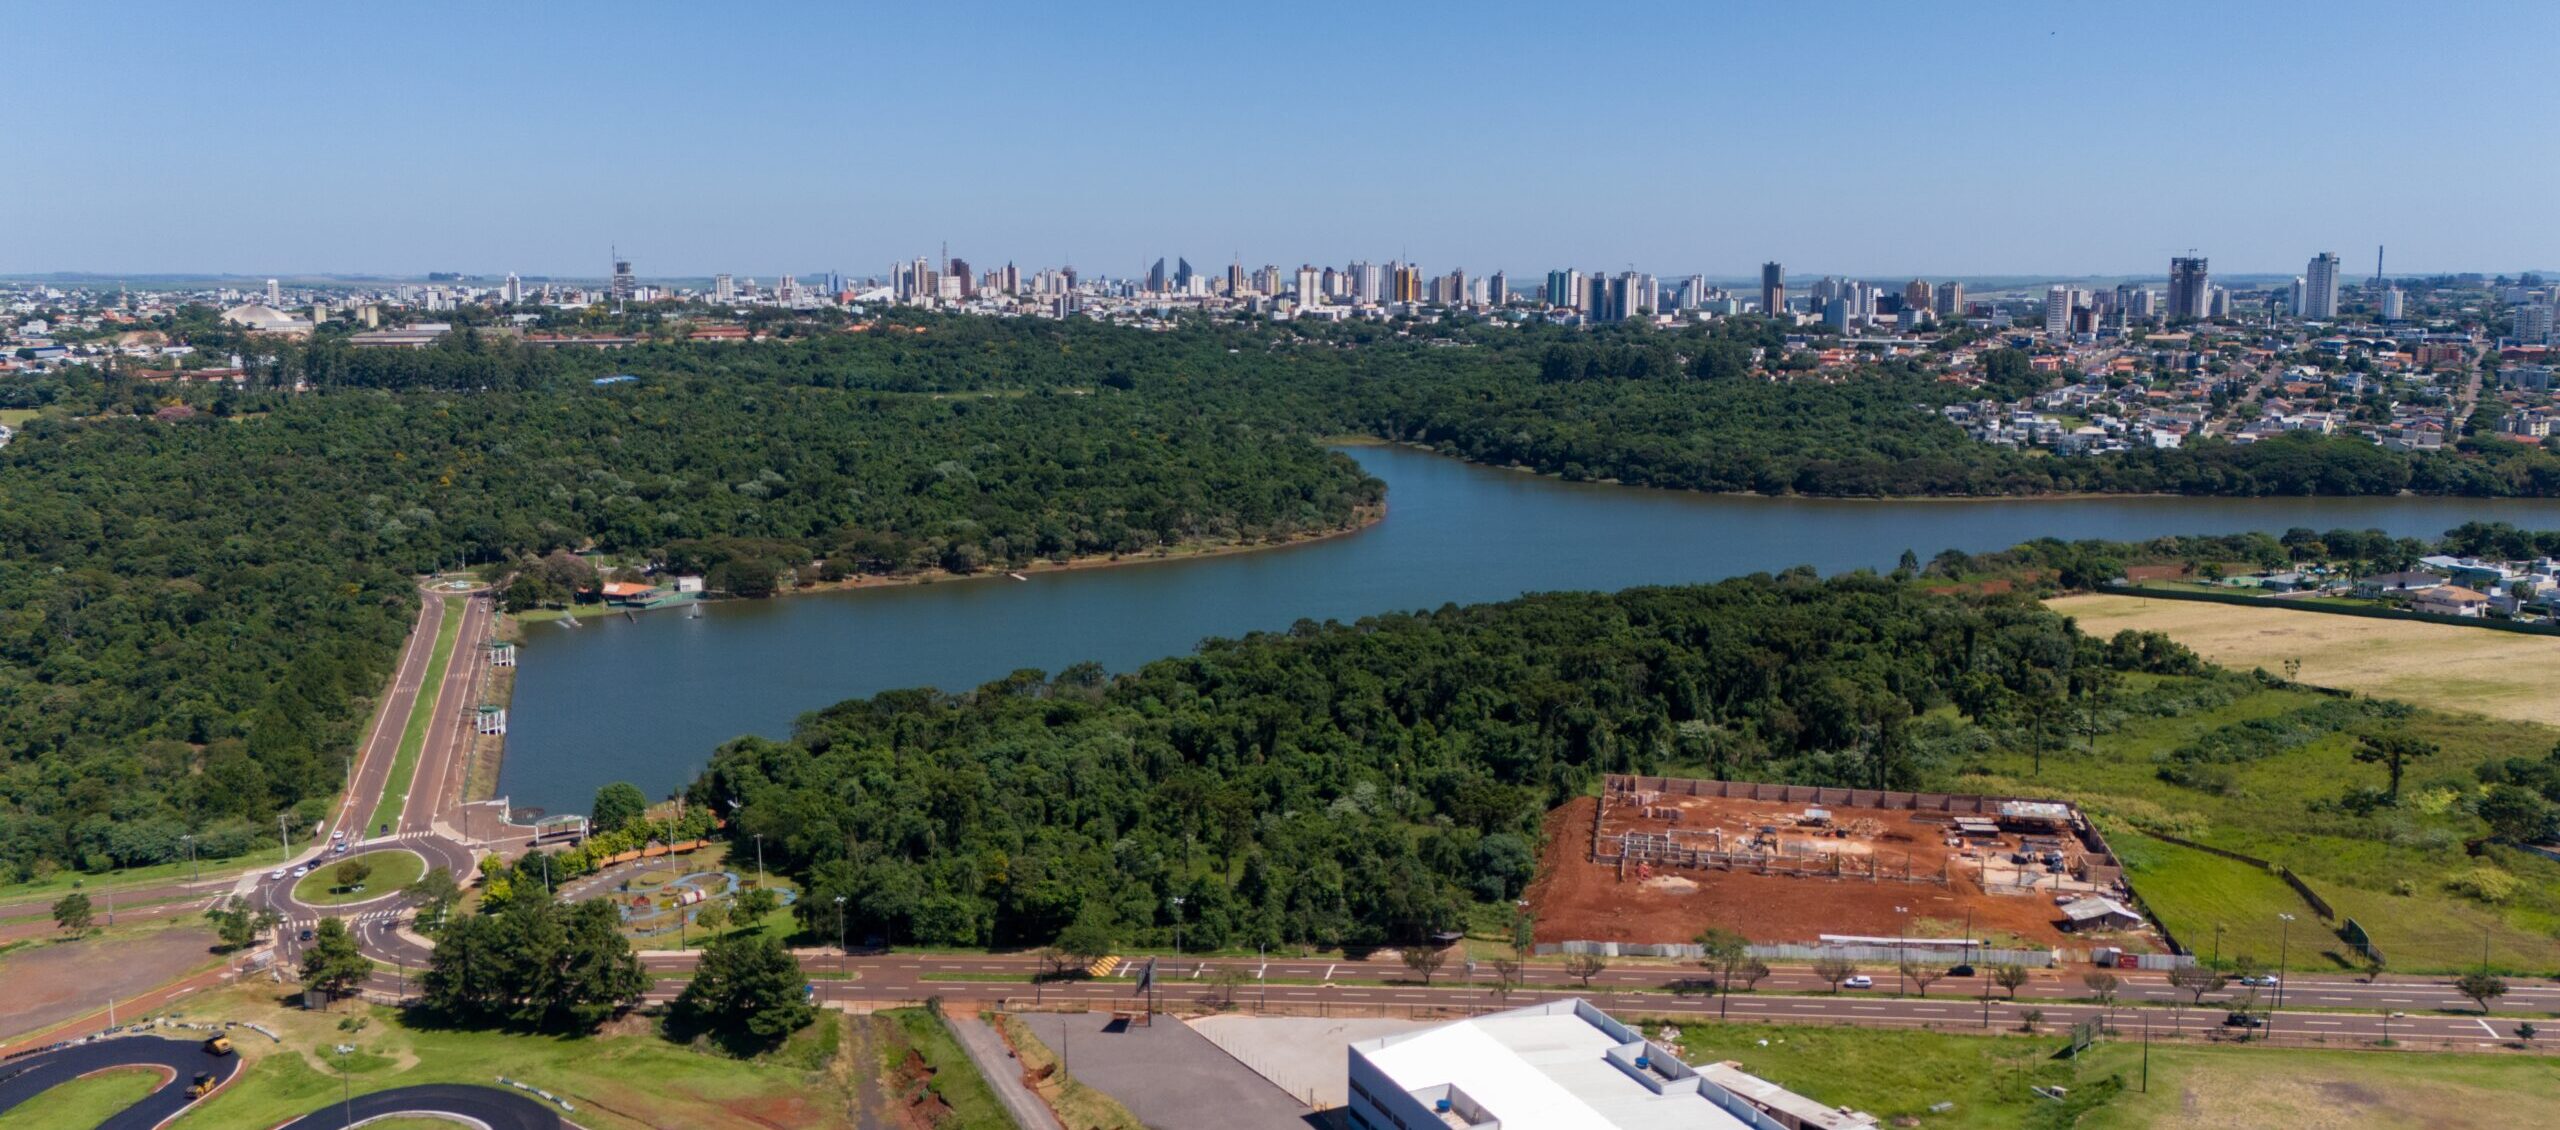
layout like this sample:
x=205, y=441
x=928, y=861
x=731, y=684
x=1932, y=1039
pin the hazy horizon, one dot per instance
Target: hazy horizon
x=2013, y=141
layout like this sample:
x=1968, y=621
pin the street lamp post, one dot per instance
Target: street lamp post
x=1177, y=924
x=346, y=1086
x=2284, y=942
x=2217, y=945
x=195, y=874
x=1901, y=927
x=841, y=952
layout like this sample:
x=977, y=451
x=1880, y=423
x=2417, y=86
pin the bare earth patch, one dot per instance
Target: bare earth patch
x=51, y=983
x=2481, y=670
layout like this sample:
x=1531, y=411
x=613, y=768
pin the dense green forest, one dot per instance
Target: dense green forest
x=199, y=603
x=1366, y=783
x=198, y=608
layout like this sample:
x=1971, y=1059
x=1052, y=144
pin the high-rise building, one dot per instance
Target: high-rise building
x=1564, y=288
x=1182, y=275
x=512, y=290
x=2533, y=323
x=1404, y=283
x=1009, y=280
x=1497, y=289
x=959, y=269
x=625, y=284
x=275, y=295
x=1950, y=299
x=2320, y=288
x=2395, y=304
x=2058, y=303
x=1155, y=277
x=1773, y=289
x=1235, y=278
x=2190, y=289
x=2217, y=302
x=724, y=290
x=1917, y=295
x=1310, y=286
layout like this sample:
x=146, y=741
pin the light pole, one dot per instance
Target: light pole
x=1901, y=927
x=841, y=952
x=2217, y=945
x=2284, y=941
x=346, y=1086
x=195, y=874
x=1177, y=924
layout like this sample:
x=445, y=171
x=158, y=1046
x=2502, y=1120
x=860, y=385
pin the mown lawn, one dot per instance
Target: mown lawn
x=1895, y=1074
x=83, y=1102
x=628, y=1078
x=392, y=869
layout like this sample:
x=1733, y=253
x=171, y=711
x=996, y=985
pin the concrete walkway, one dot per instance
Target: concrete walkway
x=1003, y=1072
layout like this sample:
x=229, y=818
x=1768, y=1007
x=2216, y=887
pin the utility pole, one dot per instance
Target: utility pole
x=284, y=835
x=195, y=874
x=2284, y=942
x=2146, y=1053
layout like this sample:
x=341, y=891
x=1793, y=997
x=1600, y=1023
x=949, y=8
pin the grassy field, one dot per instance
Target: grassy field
x=629, y=1078
x=85, y=1101
x=2388, y=869
x=1902, y=1073
x=61, y=883
x=422, y=715
x=392, y=870
x=17, y=417
x=2500, y=674
x=954, y=1077
x=2217, y=905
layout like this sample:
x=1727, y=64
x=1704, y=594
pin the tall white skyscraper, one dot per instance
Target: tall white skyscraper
x=2320, y=288
x=512, y=290
x=724, y=290
x=275, y=295
x=1310, y=286
x=2395, y=304
x=2058, y=301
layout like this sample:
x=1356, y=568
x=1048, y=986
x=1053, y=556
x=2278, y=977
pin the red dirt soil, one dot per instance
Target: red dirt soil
x=1575, y=899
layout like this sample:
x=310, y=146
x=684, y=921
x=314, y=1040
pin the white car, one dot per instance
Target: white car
x=1861, y=981
x=301, y=871
x=278, y=873
x=2260, y=981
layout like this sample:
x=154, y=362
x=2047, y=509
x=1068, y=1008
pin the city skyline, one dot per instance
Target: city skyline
x=1896, y=144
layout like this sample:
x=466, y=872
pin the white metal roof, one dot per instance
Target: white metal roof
x=1543, y=1067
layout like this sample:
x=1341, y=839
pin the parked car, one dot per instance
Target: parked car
x=1861, y=981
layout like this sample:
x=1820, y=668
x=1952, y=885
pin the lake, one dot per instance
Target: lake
x=646, y=700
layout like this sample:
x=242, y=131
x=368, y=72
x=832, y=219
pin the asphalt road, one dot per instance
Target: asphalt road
x=25, y=1078
x=490, y=1107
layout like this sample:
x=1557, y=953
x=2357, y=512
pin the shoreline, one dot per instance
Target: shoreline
x=485, y=767
x=2045, y=496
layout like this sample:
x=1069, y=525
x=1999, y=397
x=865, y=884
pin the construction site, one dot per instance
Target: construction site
x=1655, y=860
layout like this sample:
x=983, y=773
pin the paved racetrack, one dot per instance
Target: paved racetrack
x=488, y=1106
x=24, y=1079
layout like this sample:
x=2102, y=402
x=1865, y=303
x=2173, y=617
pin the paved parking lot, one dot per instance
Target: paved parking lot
x=1166, y=1074
x=1305, y=1056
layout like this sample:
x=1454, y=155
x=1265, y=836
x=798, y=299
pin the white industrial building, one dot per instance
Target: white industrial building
x=1562, y=1065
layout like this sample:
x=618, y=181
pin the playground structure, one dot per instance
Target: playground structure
x=655, y=903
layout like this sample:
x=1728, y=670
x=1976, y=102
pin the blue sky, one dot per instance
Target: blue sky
x=1880, y=139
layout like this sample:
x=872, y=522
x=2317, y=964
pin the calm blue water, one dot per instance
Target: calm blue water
x=647, y=700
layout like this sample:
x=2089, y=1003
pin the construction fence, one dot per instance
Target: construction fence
x=1936, y=953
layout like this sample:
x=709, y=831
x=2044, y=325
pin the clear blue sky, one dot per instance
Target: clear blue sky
x=1882, y=139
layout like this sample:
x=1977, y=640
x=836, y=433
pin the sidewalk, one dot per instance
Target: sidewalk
x=1003, y=1072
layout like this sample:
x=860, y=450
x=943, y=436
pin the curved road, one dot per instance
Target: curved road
x=490, y=1107
x=25, y=1078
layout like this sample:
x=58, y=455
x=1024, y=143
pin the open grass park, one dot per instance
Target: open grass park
x=1990, y=1081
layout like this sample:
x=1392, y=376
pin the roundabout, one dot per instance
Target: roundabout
x=392, y=870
